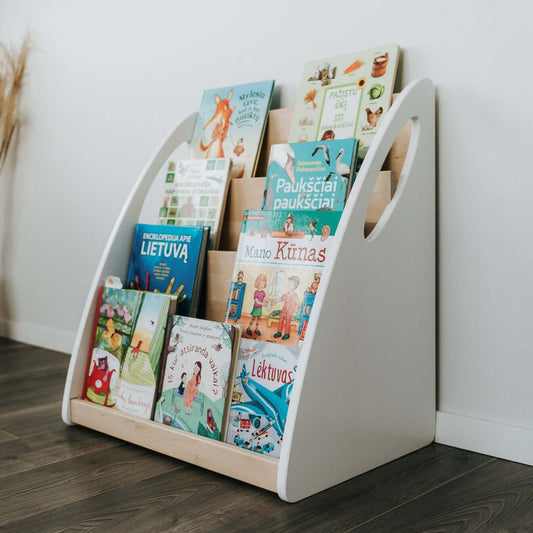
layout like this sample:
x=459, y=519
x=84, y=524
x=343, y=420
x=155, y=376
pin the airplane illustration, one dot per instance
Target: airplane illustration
x=273, y=405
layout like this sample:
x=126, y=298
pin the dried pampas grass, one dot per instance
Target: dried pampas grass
x=12, y=67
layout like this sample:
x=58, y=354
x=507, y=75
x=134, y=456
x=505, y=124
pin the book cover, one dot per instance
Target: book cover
x=264, y=379
x=170, y=260
x=194, y=194
x=126, y=349
x=345, y=96
x=231, y=123
x=310, y=176
x=277, y=272
x=197, y=374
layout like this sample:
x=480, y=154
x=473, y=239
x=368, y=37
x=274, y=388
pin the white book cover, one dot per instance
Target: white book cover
x=190, y=192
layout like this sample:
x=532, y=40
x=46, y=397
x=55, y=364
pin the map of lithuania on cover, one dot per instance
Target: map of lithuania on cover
x=231, y=123
x=277, y=272
x=263, y=383
x=197, y=376
x=345, y=96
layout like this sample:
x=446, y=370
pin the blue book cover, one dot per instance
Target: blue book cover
x=310, y=176
x=231, y=123
x=170, y=260
x=263, y=383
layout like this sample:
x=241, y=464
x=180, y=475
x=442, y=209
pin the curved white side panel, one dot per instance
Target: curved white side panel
x=115, y=259
x=365, y=389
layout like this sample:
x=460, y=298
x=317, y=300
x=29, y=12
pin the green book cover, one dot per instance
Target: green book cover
x=126, y=351
x=196, y=376
x=345, y=96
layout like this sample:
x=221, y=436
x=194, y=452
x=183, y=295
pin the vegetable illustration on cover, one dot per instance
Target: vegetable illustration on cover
x=310, y=176
x=231, y=123
x=263, y=384
x=345, y=96
x=196, y=372
x=277, y=272
x=126, y=351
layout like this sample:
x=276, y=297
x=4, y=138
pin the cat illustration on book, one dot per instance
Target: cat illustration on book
x=100, y=378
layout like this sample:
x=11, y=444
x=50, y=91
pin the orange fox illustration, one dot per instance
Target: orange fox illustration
x=221, y=121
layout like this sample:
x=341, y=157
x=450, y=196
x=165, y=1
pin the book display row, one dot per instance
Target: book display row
x=153, y=354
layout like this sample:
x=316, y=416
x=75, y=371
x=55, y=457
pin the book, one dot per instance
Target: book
x=310, y=176
x=170, y=260
x=126, y=349
x=197, y=374
x=193, y=193
x=277, y=272
x=345, y=96
x=264, y=379
x=231, y=123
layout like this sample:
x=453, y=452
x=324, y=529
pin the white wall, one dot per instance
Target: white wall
x=107, y=81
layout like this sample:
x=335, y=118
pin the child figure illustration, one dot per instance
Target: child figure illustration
x=192, y=387
x=257, y=309
x=288, y=225
x=181, y=388
x=290, y=306
x=178, y=393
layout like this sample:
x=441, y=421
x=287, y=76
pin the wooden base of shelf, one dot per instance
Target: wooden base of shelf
x=217, y=456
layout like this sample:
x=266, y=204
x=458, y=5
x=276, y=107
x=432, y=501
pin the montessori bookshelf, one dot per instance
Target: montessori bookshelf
x=365, y=388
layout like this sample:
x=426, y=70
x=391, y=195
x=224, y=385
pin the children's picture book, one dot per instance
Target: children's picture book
x=310, y=176
x=125, y=355
x=263, y=383
x=193, y=193
x=170, y=260
x=231, y=123
x=345, y=96
x=197, y=375
x=277, y=272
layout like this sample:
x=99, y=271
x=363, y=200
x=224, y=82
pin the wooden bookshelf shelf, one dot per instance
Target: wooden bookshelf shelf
x=214, y=455
x=365, y=388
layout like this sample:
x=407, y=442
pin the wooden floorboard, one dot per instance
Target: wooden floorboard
x=55, y=477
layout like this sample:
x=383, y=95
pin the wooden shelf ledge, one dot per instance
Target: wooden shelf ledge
x=217, y=456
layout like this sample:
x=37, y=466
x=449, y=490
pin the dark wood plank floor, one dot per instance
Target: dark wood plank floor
x=59, y=478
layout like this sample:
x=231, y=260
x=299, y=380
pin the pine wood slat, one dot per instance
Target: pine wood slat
x=214, y=455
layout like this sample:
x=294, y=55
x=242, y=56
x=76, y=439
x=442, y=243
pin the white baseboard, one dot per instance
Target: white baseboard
x=484, y=436
x=37, y=335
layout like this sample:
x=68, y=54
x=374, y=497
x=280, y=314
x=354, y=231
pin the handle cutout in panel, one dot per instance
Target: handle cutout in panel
x=387, y=182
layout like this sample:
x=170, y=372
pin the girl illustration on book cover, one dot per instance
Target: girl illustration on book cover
x=257, y=309
x=192, y=387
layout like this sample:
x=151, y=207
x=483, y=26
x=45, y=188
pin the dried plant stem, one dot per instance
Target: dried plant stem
x=12, y=67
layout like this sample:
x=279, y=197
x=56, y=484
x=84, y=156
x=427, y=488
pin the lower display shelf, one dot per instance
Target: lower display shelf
x=226, y=459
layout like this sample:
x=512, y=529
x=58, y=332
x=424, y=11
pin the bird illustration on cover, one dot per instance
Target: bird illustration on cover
x=310, y=176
